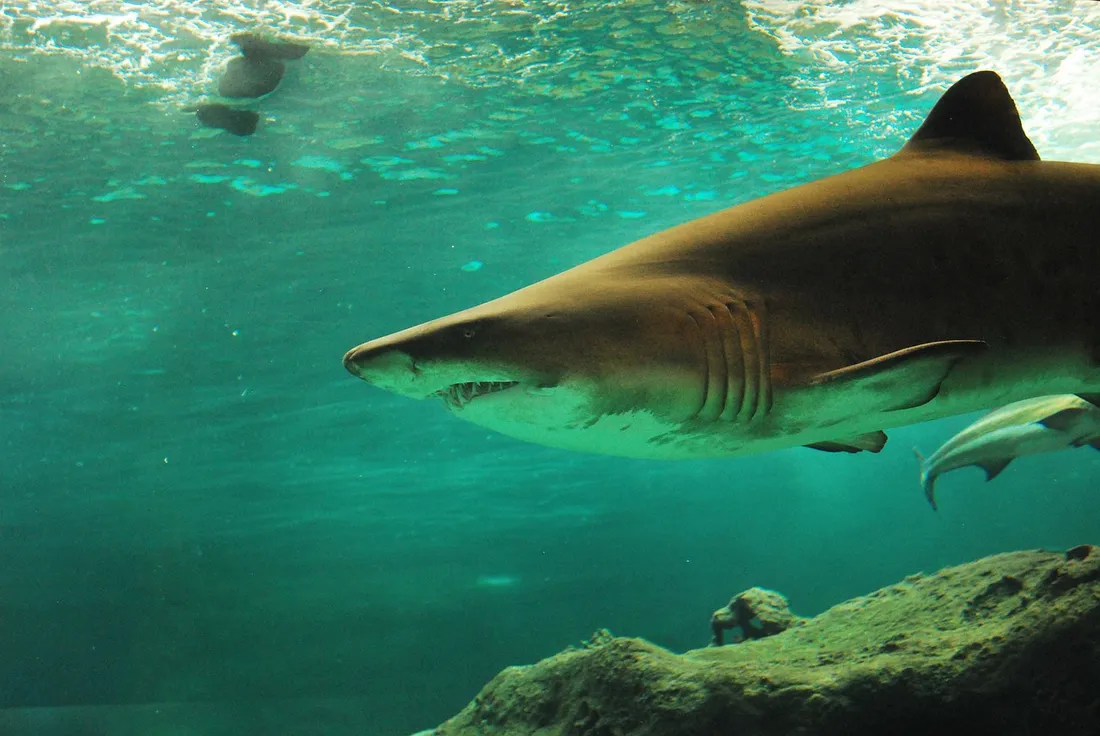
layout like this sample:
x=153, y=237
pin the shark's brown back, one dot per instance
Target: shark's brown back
x=964, y=234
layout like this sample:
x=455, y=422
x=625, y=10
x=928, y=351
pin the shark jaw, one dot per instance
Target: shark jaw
x=565, y=417
x=567, y=412
x=457, y=384
x=458, y=395
x=412, y=364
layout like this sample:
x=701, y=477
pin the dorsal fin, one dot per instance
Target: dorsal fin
x=976, y=116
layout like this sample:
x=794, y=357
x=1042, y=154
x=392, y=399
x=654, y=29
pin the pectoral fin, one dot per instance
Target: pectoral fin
x=993, y=468
x=870, y=442
x=900, y=380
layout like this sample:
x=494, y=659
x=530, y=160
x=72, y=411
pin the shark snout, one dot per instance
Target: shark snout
x=356, y=358
x=385, y=367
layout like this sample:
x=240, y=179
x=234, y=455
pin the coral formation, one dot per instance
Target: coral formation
x=753, y=614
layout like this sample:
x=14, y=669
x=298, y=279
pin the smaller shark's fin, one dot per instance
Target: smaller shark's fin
x=1063, y=420
x=927, y=480
x=870, y=442
x=900, y=380
x=978, y=116
x=993, y=468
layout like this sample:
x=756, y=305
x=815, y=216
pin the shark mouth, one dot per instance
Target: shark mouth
x=461, y=394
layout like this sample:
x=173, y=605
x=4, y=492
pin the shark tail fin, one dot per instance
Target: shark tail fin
x=927, y=480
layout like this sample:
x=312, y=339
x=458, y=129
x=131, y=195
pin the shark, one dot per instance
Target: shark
x=1028, y=427
x=958, y=274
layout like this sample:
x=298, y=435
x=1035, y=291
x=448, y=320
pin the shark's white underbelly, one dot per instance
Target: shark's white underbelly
x=800, y=417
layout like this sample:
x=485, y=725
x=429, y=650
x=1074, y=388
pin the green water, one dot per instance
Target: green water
x=208, y=527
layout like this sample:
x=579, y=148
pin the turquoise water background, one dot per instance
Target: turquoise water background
x=208, y=526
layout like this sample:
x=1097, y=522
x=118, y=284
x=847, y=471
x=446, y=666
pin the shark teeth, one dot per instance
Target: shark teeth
x=460, y=394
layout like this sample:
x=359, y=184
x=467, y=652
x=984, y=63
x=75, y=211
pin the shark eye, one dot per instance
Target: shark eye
x=468, y=332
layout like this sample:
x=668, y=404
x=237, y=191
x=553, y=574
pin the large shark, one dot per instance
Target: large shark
x=958, y=274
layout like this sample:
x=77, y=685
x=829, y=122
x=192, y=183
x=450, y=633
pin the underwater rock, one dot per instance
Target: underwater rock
x=754, y=613
x=1009, y=644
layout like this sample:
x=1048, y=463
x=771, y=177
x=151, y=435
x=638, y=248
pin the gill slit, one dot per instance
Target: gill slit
x=700, y=324
x=736, y=383
x=721, y=381
x=748, y=357
x=754, y=312
x=717, y=365
x=731, y=336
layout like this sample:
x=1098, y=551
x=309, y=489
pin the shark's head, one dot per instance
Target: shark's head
x=547, y=365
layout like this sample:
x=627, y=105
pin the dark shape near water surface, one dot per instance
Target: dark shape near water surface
x=246, y=77
x=958, y=274
x=257, y=47
x=260, y=68
x=1003, y=645
x=237, y=122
